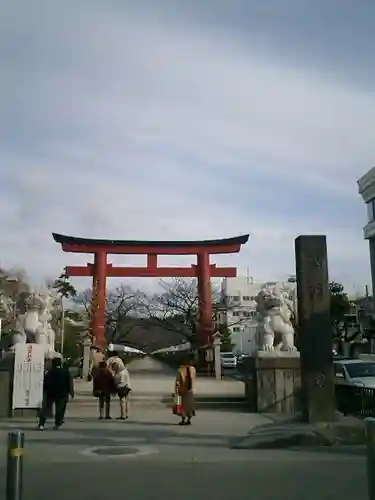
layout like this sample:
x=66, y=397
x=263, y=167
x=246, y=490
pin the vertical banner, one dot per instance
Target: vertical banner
x=28, y=376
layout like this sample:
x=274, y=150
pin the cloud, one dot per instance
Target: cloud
x=126, y=122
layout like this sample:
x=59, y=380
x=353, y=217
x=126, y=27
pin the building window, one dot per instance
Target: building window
x=246, y=297
x=249, y=314
x=371, y=210
x=236, y=313
x=236, y=328
x=236, y=298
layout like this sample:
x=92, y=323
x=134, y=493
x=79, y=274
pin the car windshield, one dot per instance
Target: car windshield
x=227, y=355
x=359, y=370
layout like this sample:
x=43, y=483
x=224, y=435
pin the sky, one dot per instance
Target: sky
x=157, y=119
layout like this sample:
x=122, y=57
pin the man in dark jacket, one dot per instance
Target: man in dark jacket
x=58, y=385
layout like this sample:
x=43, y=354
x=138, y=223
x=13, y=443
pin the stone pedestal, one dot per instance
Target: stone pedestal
x=276, y=385
x=6, y=386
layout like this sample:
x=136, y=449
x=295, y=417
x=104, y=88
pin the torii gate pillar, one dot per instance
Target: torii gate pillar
x=99, y=286
x=205, y=298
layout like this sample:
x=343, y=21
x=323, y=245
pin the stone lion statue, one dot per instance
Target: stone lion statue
x=274, y=311
x=33, y=326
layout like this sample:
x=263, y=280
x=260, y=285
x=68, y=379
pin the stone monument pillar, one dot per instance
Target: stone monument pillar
x=217, y=360
x=315, y=329
x=86, y=358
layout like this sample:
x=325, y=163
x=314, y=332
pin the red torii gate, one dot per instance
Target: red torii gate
x=100, y=269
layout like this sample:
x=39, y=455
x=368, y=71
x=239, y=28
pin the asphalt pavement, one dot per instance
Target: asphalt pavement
x=232, y=373
x=150, y=457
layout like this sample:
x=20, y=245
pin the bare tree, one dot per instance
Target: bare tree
x=123, y=308
x=13, y=286
x=176, y=308
x=84, y=301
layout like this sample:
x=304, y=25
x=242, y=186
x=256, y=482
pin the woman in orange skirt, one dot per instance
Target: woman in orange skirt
x=184, y=392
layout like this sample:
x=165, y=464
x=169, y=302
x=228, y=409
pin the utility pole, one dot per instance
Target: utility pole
x=62, y=328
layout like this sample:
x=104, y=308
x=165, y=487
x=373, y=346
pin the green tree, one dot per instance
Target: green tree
x=340, y=310
x=64, y=287
x=225, y=339
x=339, y=307
x=74, y=330
x=66, y=290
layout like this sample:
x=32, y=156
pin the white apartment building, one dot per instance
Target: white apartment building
x=240, y=315
x=366, y=188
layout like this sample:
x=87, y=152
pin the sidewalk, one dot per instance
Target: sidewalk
x=153, y=384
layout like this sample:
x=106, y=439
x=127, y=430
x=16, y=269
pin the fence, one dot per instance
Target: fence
x=355, y=400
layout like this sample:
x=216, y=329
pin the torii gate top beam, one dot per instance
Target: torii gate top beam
x=135, y=247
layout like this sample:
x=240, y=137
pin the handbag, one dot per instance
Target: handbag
x=127, y=391
x=178, y=409
x=123, y=392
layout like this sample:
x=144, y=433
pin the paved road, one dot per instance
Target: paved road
x=148, y=365
x=172, y=461
x=186, y=462
x=152, y=381
x=232, y=373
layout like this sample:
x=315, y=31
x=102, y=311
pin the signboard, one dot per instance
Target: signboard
x=28, y=376
x=209, y=355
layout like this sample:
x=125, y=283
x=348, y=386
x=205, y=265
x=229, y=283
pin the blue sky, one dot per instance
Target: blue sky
x=159, y=119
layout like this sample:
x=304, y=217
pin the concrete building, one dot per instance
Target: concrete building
x=240, y=314
x=366, y=188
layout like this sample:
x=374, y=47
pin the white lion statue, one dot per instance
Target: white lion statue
x=34, y=324
x=274, y=310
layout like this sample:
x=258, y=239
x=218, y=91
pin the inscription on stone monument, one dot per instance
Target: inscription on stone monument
x=316, y=293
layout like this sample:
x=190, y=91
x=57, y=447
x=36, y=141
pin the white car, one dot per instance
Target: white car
x=228, y=360
x=356, y=372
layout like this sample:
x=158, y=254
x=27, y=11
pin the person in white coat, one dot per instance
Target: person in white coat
x=122, y=382
x=115, y=359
